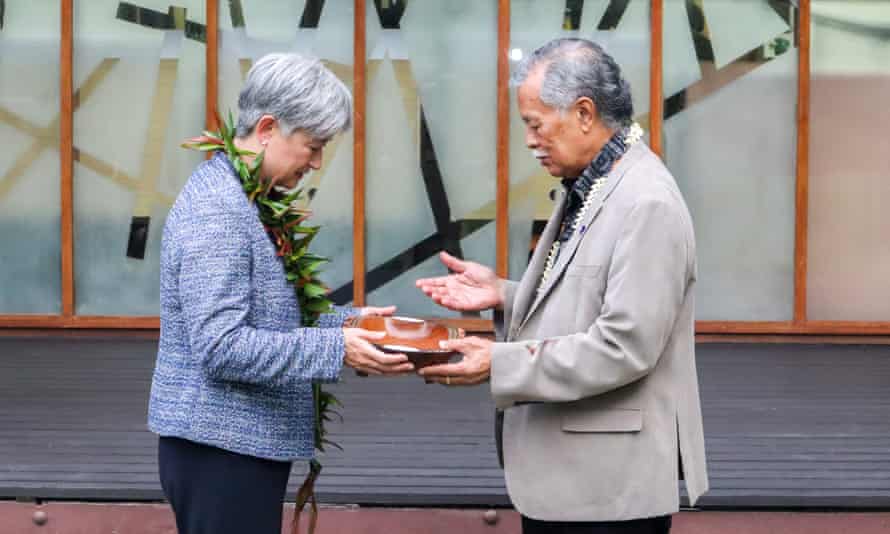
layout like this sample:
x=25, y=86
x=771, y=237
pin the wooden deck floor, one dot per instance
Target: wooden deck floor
x=786, y=426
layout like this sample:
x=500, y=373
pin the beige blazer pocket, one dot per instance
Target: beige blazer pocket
x=583, y=270
x=623, y=420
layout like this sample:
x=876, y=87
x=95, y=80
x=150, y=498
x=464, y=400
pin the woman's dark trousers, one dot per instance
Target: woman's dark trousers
x=213, y=491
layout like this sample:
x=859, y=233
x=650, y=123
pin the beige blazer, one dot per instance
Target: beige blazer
x=596, y=372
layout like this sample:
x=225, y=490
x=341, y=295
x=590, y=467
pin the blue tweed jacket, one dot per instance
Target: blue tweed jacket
x=234, y=367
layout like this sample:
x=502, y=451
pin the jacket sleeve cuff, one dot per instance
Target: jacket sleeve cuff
x=503, y=316
x=510, y=370
x=329, y=360
x=336, y=317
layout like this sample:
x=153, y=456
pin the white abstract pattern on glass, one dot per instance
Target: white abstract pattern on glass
x=733, y=155
x=428, y=80
x=138, y=87
x=29, y=172
x=452, y=48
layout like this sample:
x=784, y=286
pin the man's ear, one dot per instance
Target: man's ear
x=585, y=113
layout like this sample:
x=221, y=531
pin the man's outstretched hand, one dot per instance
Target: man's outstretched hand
x=472, y=287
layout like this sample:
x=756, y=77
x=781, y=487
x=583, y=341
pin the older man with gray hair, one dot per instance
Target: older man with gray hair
x=594, y=363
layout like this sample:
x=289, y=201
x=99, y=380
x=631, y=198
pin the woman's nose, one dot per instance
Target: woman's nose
x=315, y=162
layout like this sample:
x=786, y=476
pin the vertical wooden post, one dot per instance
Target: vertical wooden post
x=656, y=70
x=212, y=65
x=502, y=212
x=66, y=154
x=801, y=204
x=358, y=128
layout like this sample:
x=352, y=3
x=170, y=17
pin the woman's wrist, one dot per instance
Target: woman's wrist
x=501, y=289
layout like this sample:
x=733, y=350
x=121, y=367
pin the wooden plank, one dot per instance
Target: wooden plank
x=211, y=58
x=66, y=154
x=801, y=204
x=851, y=328
x=790, y=338
x=502, y=216
x=44, y=325
x=656, y=70
x=744, y=327
x=79, y=321
x=840, y=332
x=31, y=321
x=358, y=151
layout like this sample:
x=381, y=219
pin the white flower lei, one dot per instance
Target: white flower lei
x=634, y=134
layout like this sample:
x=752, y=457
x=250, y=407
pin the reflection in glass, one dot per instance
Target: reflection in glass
x=848, y=265
x=730, y=143
x=29, y=170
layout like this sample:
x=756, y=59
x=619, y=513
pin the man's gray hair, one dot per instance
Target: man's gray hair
x=300, y=92
x=576, y=68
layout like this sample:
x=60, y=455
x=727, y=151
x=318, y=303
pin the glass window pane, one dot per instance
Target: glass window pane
x=735, y=28
x=29, y=171
x=431, y=130
x=250, y=29
x=730, y=142
x=848, y=265
x=139, y=77
x=679, y=60
x=623, y=29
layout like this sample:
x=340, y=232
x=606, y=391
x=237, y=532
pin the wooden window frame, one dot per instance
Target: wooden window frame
x=799, y=325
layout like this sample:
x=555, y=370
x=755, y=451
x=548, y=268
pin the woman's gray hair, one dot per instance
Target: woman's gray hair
x=578, y=68
x=299, y=91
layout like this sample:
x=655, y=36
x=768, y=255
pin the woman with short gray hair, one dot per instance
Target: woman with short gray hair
x=232, y=393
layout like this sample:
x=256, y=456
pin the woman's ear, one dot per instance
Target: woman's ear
x=265, y=128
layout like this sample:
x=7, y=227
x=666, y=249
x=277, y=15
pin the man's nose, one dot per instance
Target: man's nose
x=531, y=140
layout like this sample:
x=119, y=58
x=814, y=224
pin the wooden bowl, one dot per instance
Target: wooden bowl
x=417, y=339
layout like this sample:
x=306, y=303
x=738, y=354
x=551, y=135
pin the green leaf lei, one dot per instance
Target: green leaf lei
x=284, y=220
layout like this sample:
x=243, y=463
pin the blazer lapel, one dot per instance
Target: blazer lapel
x=568, y=250
x=529, y=283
